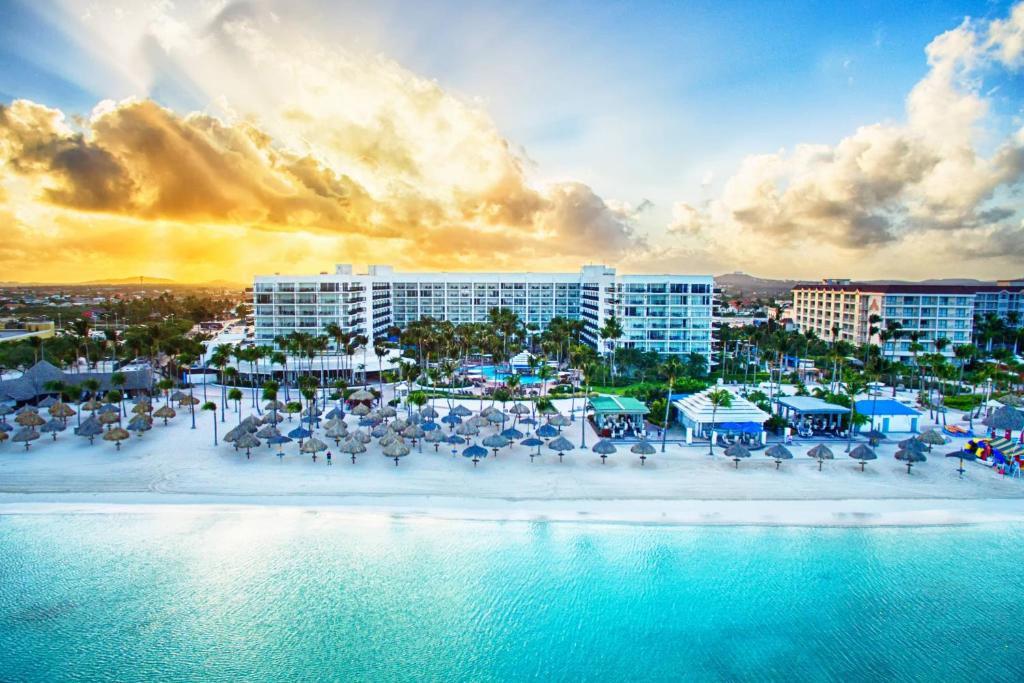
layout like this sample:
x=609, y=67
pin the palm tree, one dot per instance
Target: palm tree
x=672, y=367
x=211, y=406
x=964, y=354
x=609, y=333
x=236, y=395
x=719, y=398
x=118, y=380
x=852, y=387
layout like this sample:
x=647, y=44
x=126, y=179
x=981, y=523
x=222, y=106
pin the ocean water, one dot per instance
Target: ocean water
x=191, y=594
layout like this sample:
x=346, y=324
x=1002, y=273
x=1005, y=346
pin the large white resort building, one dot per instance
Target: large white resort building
x=668, y=314
x=933, y=311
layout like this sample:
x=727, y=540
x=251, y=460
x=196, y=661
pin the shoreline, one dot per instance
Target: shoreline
x=841, y=513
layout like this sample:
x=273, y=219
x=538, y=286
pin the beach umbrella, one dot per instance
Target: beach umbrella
x=141, y=418
x=3, y=437
x=430, y=426
x=398, y=425
x=435, y=437
x=530, y=443
x=335, y=413
x=547, y=410
x=495, y=442
x=478, y=421
x=379, y=431
x=559, y=420
x=61, y=410
x=311, y=411
x=189, y=401
x=643, y=449
x=963, y=455
x=5, y=427
x=737, y=451
x=53, y=426
x=248, y=442
x=387, y=412
x=547, y=431
x=1005, y=418
x=1011, y=400
x=389, y=438
x=604, y=448
x=875, y=437
x=5, y=410
x=275, y=405
x=272, y=418
x=428, y=412
x=369, y=421
x=234, y=434
x=313, y=445
x=512, y=434
x=461, y=411
x=353, y=447
x=92, y=405
x=25, y=435
x=336, y=433
x=250, y=424
x=360, y=410
x=475, y=452
x=932, y=438
x=414, y=419
x=108, y=408
x=361, y=436
x=467, y=429
x=117, y=435
x=29, y=420
x=455, y=440
x=332, y=422
x=561, y=444
x=280, y=440
x=910, y=457
x=47, y=402
x=520, y=409
x=139, y=426
x=779, y=453
x=487, y=411
x=164, y=412
x=141, y=408
x=90, y=428
x=450, y=419
x=178, y=396
x=912, y=445
x=863, y=454
x=497, y=417
x=527, y=421
x=109, y=418
x=821, y=453
x=395, y=450
x=24, y=410
x=361, y=395
x=300, y=433
x=267, y=431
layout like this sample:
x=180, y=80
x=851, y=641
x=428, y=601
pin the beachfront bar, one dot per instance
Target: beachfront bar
x=810, y=415
x=618, y=416
x=741, y=419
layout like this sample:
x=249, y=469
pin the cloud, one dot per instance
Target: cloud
x=884, y=183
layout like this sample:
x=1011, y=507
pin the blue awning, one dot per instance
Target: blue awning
x=740, y=427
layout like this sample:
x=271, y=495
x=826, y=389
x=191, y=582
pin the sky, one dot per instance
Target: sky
x=209, y=139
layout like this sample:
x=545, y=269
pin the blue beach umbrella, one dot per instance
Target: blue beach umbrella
x=451, y=419
x=279, y=440
x=530, y=443
x=475, y=452
x=429, y=426
x=300, y=433
x=527, y=421
x=547, y=431
x=512, y=434
x=455, y=440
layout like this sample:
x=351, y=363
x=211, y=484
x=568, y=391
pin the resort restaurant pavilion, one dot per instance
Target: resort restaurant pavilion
x=617, y=416
x=810, y=413
x=701, y=419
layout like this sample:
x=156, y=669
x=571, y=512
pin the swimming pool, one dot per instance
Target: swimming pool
x=493, y=374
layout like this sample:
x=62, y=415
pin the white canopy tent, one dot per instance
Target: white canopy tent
x=695, y=414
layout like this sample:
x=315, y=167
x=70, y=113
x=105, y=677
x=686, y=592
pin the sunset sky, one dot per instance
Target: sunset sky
x=214, y=140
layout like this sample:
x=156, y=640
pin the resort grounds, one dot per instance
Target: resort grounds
x=176, y=464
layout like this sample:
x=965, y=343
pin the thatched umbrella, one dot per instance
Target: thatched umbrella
x=467, y=429
x=300, y=433
x=512, y=434
x=496, y=417
x=435, y=437
x=361, y=395
x=61, y=410
x=429, y=412
x=461, y=411
x=604, y=448
x=737, y=451
x=92, y=405
x=25, y=435
x=275, y=405
x=3, y=437
x=311, y=411
x=395, y=450
x=5, y=410
x=547, y=410
x=5, y=427
x=495, y=442
x=109, y=418
x=1011, y=400
x=117, y=435
x=139, y=425
x=165, y=412
x=361, y=436
x=266, y=431
x=280, y=440
x=478, y=421
x=1005, y=418
x=487, y=411
x=910, y=457
x=272, y=417
x=380, y=430
x=863, y=454
x=108, y=408
x=53, y=426
x=932, y=438
x=875, y=437
x=251, y=424
x=561, y=444
x=337, y=432
x=389, y=438
x=333, y=422
x=531, y=443
x=821, y=453
x=387, y=412
x=234, y=434
x=26, y=409
x=142, y=408
x=963, y=455
x=248, y=442
x=47, y=402
x=520, y=409
x=642, y=448
x=361, y=410
x=90, y=428
x=547, y=431
x=314, y=446
x=398, y=425
x=335, y=413
x=30, y=419
x=178, y=396
x=778, y=452
x=559, y=420
x=475, y=452
x=353, y=447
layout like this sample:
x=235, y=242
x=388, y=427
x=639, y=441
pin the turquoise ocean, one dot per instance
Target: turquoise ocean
x=279, y=594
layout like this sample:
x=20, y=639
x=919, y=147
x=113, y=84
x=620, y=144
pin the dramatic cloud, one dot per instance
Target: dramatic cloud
x=885, y=183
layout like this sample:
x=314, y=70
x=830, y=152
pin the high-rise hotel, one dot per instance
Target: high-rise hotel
x=668, y=314
x=933, y=311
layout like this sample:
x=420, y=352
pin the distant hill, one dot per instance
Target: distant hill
x=138, y=279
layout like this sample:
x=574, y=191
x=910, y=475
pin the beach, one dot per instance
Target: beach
x=178, y=465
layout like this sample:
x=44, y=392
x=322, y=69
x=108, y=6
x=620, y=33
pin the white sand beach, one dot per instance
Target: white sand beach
x=178, y=465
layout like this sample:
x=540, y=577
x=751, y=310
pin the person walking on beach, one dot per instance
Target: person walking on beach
x=328, y=458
